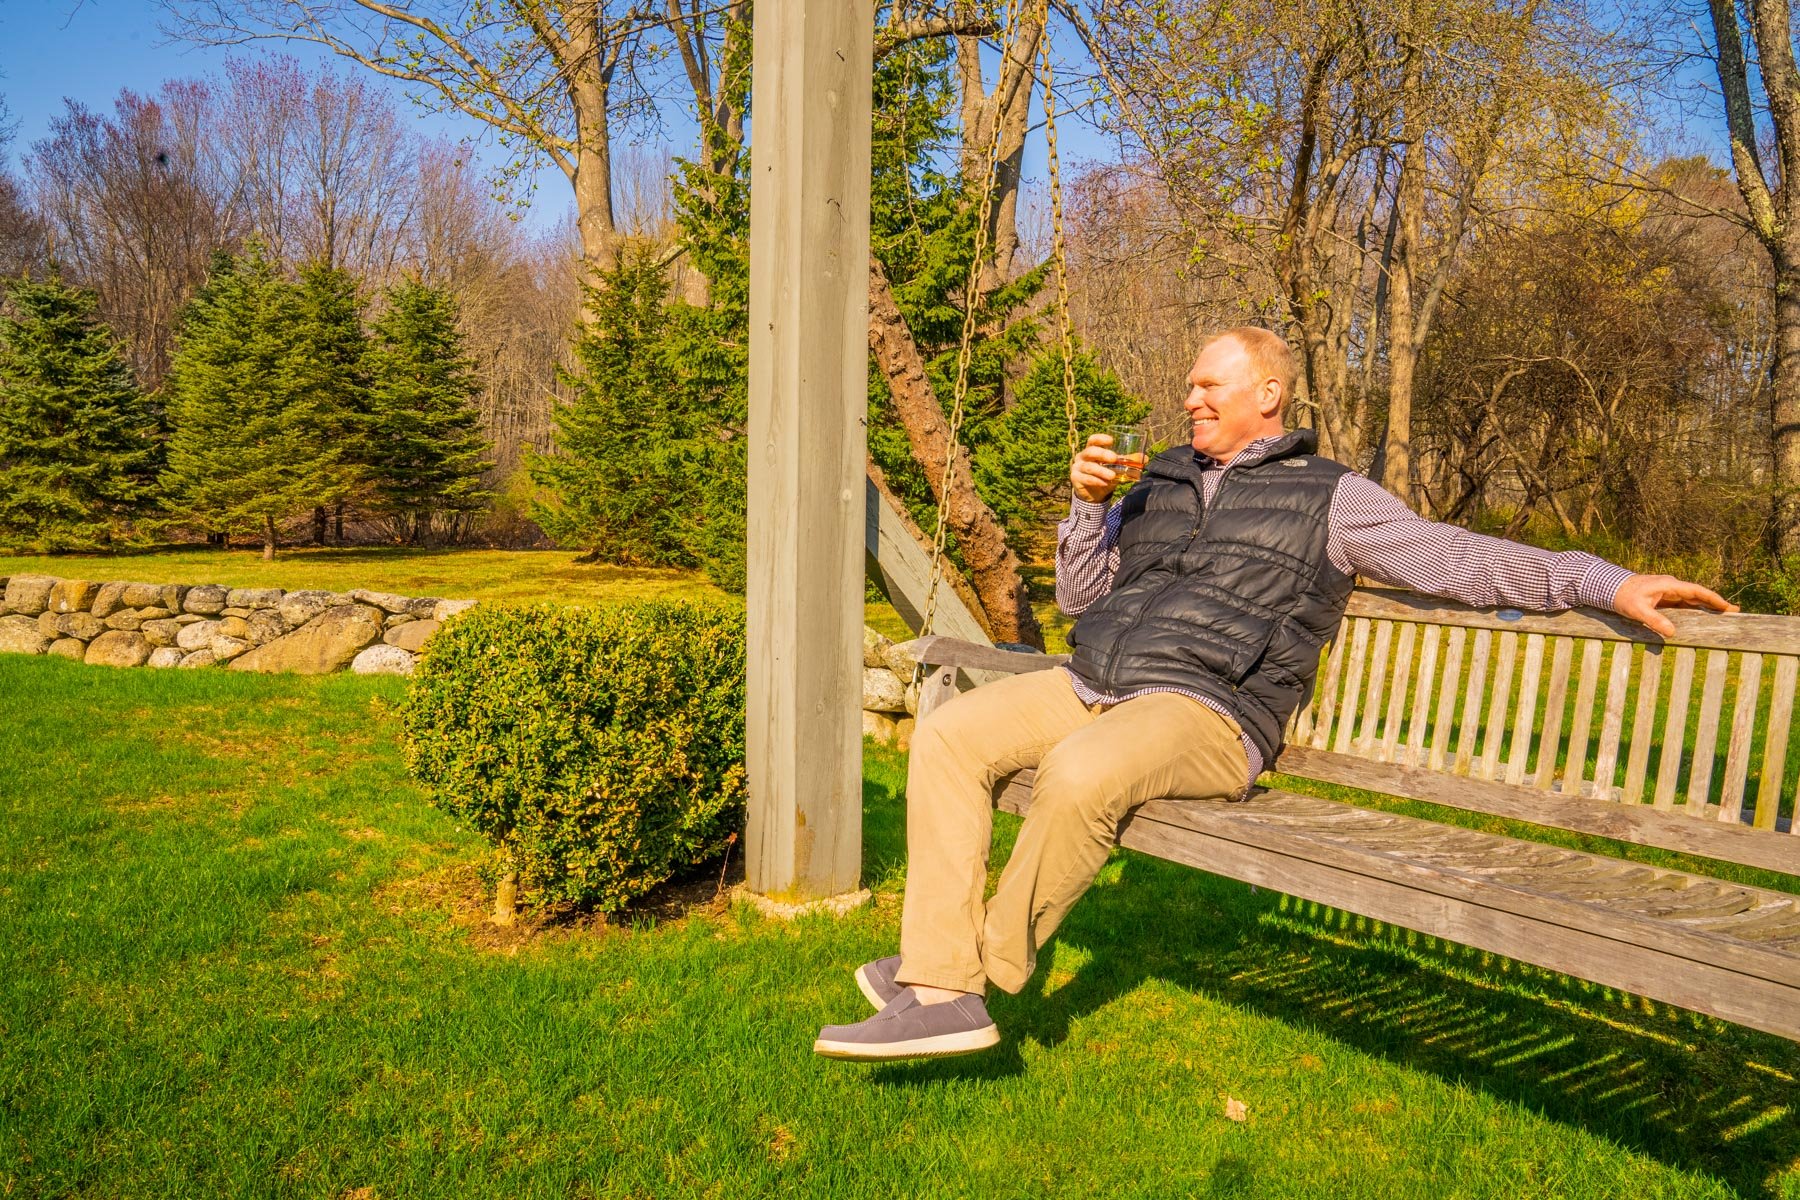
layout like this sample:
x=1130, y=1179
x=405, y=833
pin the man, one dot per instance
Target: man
x=1205, y=598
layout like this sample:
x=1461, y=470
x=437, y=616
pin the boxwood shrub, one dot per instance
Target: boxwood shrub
x=599, y=750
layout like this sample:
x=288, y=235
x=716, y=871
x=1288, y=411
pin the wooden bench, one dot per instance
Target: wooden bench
x=1580, y=721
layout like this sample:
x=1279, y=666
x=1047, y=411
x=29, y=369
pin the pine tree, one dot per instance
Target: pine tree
x=425, y=437
x=621, y=484
x=1022, y=468
x=328, y=374
x=77, y=439
x=248, y=449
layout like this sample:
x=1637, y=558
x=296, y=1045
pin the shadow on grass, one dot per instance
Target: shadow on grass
x=1686, y=1090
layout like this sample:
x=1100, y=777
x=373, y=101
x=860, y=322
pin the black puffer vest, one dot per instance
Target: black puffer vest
x=1232, y=601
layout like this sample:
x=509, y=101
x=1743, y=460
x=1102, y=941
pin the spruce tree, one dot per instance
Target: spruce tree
x=426, y=442
x=77, y=439
x=620, y=484
x=249, y=448
x=328, y=375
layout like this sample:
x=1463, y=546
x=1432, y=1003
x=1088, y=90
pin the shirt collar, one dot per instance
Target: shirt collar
x=1255, y=452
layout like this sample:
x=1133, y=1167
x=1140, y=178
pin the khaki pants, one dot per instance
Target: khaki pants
x=1093, y=767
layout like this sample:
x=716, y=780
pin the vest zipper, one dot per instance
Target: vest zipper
x=1112, y=661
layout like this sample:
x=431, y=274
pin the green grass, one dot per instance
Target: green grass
x=242, y=957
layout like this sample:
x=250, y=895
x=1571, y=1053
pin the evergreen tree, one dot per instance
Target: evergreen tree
x=251, y=441
x=426, y=437
x=617, y=474
x=328, y=376
x=77, y=439
x=1022, y=467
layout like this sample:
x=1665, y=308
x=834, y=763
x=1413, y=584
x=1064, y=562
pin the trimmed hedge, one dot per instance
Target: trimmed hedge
x=599, y=750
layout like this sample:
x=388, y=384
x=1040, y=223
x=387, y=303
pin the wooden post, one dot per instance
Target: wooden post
x=809, y=331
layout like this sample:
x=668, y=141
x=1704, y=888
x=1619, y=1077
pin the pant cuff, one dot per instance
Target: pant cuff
x=941, y=979
x=1008, y=978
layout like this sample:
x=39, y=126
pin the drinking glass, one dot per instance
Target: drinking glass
x=1132, y=444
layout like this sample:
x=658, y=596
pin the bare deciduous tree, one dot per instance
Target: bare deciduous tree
x=325, y=165
x=136, y=203
x=550, y=77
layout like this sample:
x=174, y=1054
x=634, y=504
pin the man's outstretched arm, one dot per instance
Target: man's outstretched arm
x=1374, y=534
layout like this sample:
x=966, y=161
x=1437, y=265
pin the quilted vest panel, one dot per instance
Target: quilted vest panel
x=1233, y=600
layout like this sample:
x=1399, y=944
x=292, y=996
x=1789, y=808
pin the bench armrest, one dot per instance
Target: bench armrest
x=937, y=651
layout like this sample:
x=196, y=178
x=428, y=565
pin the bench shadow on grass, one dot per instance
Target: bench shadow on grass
x=1687, y=1091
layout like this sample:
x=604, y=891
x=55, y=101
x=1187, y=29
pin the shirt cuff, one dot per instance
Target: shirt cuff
x=1088, y=513
x=1600, y=583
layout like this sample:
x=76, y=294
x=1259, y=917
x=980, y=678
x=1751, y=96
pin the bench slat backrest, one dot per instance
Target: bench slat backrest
x=1573, y=706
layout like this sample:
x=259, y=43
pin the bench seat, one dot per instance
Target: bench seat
x=1701, y=943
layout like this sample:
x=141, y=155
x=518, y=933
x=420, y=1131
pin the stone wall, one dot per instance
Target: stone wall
x=309, y=632
x=890, y=697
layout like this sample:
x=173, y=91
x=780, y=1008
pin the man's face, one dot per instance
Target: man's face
x=1226, y=400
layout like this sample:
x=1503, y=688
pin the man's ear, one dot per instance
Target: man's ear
x=1268, y=398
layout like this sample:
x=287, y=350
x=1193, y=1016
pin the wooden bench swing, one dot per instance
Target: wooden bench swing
x=1514, y=715
x=1532, y=718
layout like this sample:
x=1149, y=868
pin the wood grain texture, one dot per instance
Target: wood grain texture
x=1612, y=723
x=1575, y=766
x=1447, y=692
x=1300, y=846
x=1328, y=692
x=1522, y=730
x=1743, y=731
x=1706, y=735
x=1397, y=690
x=1417, y=726
x=1378, y=674
x=1353, y=671
x=941, y=651
x=1639, y=824
x=1494, y=735
x=1643, y=724
x=1668, y=767
x=1550, y=744
x=895, y=560
x=1473, y=693
x=936, y=689
x=808, y=398
x=1719, y=631
x=1775, y=743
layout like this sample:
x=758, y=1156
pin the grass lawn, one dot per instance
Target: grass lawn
x=243, y=958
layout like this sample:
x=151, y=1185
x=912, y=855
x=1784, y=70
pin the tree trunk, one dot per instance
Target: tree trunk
x=954, y=578
x=1785, y=406
x=1008, y=105
x=318, y=525
x=991, y=561
x=268, y=537
x=1403, y=345
x=506, y=898
x=1773, y=215
x=337, y=524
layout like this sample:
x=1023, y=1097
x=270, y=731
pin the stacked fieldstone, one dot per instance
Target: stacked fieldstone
x=890, y=697
x=252, y=629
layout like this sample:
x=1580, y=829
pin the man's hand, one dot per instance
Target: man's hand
x=1641, y=595
x=1090, y=471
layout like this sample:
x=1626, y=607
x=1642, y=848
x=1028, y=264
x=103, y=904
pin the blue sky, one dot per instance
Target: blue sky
x=88, y=50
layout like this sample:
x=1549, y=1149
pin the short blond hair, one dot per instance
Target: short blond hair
x=1269, y=355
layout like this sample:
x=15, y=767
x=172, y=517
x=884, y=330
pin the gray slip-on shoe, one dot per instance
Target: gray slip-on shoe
x=908, y=1029
x=877, y=981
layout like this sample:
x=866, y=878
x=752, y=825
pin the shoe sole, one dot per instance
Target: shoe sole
x=944, y=1045
x=867, y=986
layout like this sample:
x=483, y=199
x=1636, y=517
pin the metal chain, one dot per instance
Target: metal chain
x=1058, y=246
x=971, y=296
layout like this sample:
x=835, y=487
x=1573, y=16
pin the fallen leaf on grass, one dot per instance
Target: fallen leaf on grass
x=1236, y=1110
